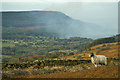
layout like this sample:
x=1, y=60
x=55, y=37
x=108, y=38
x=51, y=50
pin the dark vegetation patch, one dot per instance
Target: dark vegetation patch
x=41, y=64
x=112, y=39
x=102, y=49
x=11, y=73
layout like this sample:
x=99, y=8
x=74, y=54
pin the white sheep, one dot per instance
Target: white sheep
x=98, y=59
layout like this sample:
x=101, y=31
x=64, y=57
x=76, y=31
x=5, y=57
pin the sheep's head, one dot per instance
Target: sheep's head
x=91, y=55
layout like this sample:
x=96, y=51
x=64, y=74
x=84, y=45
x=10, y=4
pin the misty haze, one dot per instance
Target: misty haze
x=50, y=21
x=88, y=19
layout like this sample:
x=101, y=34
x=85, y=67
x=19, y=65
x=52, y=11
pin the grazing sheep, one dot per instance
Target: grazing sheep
x=98, y=59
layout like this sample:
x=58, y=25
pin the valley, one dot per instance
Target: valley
x=50, y=44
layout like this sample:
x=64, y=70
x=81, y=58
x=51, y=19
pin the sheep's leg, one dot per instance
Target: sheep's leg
x=95, y=65
x=106, y=63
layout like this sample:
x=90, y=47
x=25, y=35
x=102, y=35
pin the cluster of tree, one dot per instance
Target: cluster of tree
x=58, y=54
x=13, y=33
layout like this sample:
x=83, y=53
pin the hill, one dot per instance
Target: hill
x=34, y=18
x=110, y=50
x=112, y=39
x=75, y=65
x=48, y=21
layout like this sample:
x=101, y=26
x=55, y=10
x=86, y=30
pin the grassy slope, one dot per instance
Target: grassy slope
x=110, y=71
x=110, y=53
x=101, y=72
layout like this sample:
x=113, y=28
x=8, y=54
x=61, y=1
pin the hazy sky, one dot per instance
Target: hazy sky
x=59, y=0
x=103, y=14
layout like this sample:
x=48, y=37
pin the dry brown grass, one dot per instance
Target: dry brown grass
x=110, y=53
x=101, y=72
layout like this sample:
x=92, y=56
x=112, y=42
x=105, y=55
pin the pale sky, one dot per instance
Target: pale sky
x=60, y=0
x=103, y=13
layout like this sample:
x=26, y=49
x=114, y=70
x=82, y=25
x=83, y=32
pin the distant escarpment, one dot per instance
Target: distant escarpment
x=50, y=21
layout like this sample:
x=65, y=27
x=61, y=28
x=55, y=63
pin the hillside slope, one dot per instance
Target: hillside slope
x=103, y=72
x=111, y=39
x=49, y=21
x=34, y=18
x=110, y=50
